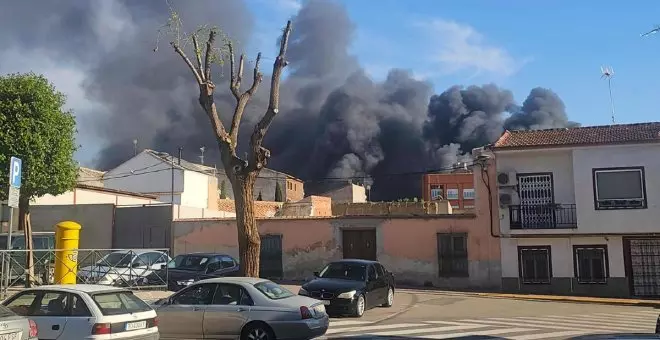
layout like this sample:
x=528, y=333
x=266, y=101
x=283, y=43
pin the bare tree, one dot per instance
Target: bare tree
x=242, y=173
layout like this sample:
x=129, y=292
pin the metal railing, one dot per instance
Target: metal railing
x=92, y=266
x=543, y=216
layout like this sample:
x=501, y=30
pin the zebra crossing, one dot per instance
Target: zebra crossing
x=515, y=328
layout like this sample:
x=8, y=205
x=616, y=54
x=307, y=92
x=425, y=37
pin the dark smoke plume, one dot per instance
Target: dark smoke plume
x=335, y=121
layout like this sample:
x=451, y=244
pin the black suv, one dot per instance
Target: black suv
x=188, y=268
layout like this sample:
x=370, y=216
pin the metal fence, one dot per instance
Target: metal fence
x=130, y=268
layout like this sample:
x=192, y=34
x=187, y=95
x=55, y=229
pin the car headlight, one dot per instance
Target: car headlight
x=302, y=291
x=185, y=282
x=347, y=295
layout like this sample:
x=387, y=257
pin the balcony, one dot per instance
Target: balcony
x=543, y=216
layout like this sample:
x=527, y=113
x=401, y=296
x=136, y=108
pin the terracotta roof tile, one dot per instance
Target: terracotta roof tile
x=588, y=135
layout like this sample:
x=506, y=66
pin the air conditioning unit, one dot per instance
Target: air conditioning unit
x=507, y=179
x=506, y=199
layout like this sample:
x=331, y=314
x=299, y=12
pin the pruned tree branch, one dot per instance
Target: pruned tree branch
x=241, y=98
x=198, y=56
x=209, y=55
x=259, y=156
x=185, y=58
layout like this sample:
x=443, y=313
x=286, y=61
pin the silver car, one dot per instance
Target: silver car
x=15, y=327
x=240, y=308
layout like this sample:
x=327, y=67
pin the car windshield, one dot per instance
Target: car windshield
x=189, y=262
x=116, y=303
x=344, y=271
x=272, y=290
x=118, y=260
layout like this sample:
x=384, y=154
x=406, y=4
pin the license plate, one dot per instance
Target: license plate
x=12, y=336
x=131, y=326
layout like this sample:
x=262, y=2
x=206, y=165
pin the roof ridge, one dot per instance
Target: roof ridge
x=584, y=127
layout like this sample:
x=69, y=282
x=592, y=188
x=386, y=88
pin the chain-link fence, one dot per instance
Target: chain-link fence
x=131, y=268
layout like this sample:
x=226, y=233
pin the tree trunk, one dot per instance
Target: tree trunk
x=25, y=225
x=249, y=242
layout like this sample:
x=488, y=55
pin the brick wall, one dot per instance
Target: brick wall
x=391, y=208
x=261, y=208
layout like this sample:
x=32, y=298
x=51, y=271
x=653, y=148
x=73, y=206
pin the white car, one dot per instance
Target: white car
x=68, y=312
x=124, y=267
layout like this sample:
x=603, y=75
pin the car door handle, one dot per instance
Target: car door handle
x=56, y=327
x=241, y=309
x=195, y=309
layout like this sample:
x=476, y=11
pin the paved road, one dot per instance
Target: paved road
x=423, y=315
x=432, y=316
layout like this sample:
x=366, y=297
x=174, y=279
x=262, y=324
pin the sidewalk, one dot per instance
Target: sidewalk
x=536, y=297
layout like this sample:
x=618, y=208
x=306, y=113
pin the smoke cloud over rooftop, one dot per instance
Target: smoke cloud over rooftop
x=335, y=121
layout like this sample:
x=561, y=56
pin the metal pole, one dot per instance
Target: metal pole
x=172, y=186
x=8, y=260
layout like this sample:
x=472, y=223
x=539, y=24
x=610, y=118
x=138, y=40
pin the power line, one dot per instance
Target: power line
x=343, y=178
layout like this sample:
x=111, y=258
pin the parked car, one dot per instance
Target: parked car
x=351, y=286
x=185, y=269
x=69, y=312
x=240, y=307
x=123, y=267
x=43, y=256
x=16, y=327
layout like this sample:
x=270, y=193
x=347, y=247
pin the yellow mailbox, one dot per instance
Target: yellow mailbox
x=67, y=239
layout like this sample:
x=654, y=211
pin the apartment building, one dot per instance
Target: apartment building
x=579, y=210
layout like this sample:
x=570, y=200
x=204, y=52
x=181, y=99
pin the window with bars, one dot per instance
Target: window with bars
x=534, y=264
x=452, y=255
x=590, y=263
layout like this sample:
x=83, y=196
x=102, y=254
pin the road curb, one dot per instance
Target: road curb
x=545, y=298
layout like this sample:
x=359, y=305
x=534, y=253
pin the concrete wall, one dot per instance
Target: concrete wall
x=142, y=227
x=350, y=193
x=195, y=189
x=391, y=208
x=563, y=266
x=407, y=246
x=96, y=221
x=91, y=196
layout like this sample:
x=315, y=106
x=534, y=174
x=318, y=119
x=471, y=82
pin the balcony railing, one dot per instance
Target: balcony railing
x=543, y=216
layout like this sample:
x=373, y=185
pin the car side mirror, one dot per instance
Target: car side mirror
x=316, y=274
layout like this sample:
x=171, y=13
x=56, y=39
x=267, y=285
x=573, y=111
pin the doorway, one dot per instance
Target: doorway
x=359, y=244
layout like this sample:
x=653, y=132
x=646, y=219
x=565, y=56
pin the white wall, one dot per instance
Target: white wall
x=183, y=212
x=591, y=220
x=196, y=190
x=150, y=175
x=573, y=184
x=562, y=253
x=558, y=162
x=86, y=196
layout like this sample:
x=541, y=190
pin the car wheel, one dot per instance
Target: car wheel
x=389, y=299
x=360, y=304
x=257, y=332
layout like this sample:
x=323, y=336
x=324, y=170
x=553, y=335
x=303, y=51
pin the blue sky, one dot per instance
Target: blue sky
x=517, y=44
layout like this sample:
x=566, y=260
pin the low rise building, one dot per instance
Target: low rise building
x=578, y=210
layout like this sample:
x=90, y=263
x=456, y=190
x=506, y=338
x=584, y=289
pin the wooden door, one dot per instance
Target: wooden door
x=359, y=244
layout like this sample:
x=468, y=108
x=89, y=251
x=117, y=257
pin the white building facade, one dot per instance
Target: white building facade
x=169, y=179
x=580, y=210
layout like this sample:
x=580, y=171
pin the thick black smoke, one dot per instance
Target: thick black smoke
x=335, y=121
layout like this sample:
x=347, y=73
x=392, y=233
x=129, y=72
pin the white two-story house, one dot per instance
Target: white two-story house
x=170, y=179
x=580, y=210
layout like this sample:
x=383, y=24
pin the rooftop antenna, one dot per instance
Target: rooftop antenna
x=135, y=147
x=655, y=30
x=201, y=157
x=607, y=72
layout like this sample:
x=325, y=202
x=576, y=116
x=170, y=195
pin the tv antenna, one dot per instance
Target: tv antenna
x=201, y=157
x=655, y=30
x=607, y=72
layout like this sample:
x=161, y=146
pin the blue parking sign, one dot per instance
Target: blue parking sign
x=15, y=170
